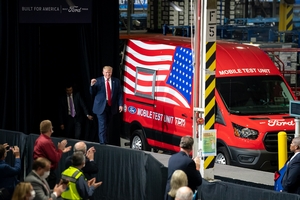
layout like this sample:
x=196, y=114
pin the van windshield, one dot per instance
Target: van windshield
x=254, y=94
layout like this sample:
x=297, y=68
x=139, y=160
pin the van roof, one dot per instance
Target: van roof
x=232, y=58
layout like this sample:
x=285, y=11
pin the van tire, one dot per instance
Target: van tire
x=222, y=156
x=138, y=141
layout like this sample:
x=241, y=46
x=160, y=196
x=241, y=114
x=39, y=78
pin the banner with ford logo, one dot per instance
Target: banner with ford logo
x=137, y=4
x=55, y=11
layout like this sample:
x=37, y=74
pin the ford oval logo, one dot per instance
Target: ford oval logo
x=132, y=109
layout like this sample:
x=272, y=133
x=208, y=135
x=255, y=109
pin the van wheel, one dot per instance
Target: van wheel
x=222, y=156
x=138, y=141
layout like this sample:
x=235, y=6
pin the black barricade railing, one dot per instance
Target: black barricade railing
x=220, y=190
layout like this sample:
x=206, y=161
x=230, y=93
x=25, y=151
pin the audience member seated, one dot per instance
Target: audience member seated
x=8, y=175
x=178, y=180
x=91, y=166
x=37, y=178
x=23, y=191
x=184, y=193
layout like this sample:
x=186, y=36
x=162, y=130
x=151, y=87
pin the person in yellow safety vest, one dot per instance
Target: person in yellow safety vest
x=78, y=186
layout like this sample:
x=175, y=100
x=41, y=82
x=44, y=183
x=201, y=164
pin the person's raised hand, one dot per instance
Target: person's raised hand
x=60, y=188
x=91, y=181
x=16, y=151
x=90, y=153
x=93, y=81
x=5, y=145
x=197, y=162
x=61, y=145
x=67, y=149
x=97, y=184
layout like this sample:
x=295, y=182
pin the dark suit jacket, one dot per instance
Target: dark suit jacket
x=88, y=170
x=183, y=162
x=291, y=178
x=80, y=108
x=99, y=93
x=41, y=189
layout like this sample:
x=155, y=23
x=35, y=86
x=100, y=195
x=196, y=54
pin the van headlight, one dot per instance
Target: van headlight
x=244, y=132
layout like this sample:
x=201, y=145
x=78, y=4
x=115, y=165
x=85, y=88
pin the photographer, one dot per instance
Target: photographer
x=8, y=177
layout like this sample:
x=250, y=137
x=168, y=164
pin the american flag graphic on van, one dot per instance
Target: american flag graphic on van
x=173, y=69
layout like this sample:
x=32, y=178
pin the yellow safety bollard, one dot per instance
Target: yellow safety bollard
x=282, y=149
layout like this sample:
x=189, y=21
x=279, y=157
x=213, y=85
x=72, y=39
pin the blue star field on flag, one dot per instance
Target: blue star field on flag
x=181, y=73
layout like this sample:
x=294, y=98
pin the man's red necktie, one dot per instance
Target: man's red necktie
x=108, y=92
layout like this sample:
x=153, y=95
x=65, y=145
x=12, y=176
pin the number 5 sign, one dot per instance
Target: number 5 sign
x=211, y=34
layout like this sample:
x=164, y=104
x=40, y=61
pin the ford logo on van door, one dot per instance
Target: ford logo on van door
x=131, y=109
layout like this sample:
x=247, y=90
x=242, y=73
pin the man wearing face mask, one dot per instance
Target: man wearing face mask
x=37, y=178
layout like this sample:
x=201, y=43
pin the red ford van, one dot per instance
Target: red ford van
x=252, y=99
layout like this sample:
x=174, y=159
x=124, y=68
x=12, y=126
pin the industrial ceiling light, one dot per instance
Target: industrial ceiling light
x=173, y=5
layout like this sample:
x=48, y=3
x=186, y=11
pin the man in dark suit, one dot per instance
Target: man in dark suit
x=291, y=178
x=91, y=166
x=72, y=112
x=37, y=178
x=108, y=100
x=182, y=161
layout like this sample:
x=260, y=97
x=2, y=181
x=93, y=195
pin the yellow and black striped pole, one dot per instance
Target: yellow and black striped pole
x=285, y=19
x=209, y=134
x=210, y=83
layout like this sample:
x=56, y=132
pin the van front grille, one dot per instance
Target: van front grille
x=271, y=140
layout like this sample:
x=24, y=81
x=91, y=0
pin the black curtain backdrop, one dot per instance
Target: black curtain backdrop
x=36, y=60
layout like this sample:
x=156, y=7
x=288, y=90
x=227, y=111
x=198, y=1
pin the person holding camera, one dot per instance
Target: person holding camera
x=8, y=175
x=78, y=186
